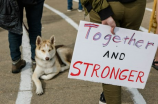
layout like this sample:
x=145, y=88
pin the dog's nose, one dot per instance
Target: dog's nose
x=47, y=58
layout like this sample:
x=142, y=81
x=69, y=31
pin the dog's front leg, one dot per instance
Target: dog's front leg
x=35, y=77
x=48, y=76
x=55, y=70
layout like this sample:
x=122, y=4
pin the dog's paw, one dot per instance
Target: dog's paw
x=43, y=77
x=39, y=91
x=63, y=69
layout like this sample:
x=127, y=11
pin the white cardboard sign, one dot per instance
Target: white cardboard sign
x=123, y=59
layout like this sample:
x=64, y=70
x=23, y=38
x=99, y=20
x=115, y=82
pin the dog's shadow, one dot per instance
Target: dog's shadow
x=27, y=67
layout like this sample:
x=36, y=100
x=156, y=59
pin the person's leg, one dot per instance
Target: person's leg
x=79, y=5
x=132, y=21
x=69, y=4
x=15, y=41
x=112, y=93
x=34, y=16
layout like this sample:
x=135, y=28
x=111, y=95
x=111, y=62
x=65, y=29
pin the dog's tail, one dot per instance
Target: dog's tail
x=58, y=46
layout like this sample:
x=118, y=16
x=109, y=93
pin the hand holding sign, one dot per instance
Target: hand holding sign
x=110, y=21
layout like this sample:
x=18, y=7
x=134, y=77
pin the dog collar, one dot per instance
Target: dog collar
x=46, y=60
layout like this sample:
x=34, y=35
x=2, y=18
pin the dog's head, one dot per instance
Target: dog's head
x=45, y=49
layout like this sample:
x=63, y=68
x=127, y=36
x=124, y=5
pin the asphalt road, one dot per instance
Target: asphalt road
x=19, y=89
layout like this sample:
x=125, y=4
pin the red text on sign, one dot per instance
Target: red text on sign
x=107, y=72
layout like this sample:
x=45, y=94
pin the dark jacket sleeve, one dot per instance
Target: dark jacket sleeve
x=100, y=6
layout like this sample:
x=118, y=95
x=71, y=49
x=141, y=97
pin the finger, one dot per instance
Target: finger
x=112, y=30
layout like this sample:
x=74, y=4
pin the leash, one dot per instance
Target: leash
x=26, y=27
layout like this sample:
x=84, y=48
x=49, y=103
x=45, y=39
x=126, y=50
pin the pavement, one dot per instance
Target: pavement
x=61, y=90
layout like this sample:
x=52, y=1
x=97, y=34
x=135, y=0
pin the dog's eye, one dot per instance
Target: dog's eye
x=43, y=51
x=49, y=50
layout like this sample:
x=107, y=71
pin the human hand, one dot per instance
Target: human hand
x=110, y=21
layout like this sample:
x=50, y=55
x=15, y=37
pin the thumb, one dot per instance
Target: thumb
x=104, y=22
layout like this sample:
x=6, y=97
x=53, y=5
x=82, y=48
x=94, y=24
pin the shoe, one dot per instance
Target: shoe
x=79, y=10
x=155, y=66
x=102, y=99
x=69, y=10
x=18, y=65
x=33, y=65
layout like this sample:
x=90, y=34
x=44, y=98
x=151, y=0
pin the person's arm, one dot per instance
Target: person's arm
x=103, y=9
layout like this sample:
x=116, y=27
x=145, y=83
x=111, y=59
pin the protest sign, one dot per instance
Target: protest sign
x=123, y=59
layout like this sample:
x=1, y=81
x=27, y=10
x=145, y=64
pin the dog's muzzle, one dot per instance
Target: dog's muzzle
x=47, y=58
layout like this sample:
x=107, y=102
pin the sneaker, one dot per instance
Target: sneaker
x=18, y=65
x=102, y=99
x=79, y=10
x=33, y=65
x=69, y=10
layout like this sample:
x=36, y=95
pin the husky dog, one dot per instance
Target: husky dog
x=50, y=60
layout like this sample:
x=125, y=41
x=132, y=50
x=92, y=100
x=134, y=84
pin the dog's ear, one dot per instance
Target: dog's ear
x=52, y=39
x=38, y=40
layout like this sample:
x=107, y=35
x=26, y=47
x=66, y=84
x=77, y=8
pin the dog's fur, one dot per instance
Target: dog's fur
x=50, y=60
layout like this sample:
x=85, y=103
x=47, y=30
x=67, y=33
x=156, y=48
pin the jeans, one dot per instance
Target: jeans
x=34, y=16
x=70, y=4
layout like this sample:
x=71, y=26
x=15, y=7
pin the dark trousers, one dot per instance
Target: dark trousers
x=70, y=4
x=34, y=15
x=128, y=16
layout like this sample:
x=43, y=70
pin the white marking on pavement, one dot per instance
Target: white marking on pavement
x=76, y=0
x=25, y=89
x=137, y=97
x=148, y=9
x=143, y=29
x=70, y=21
